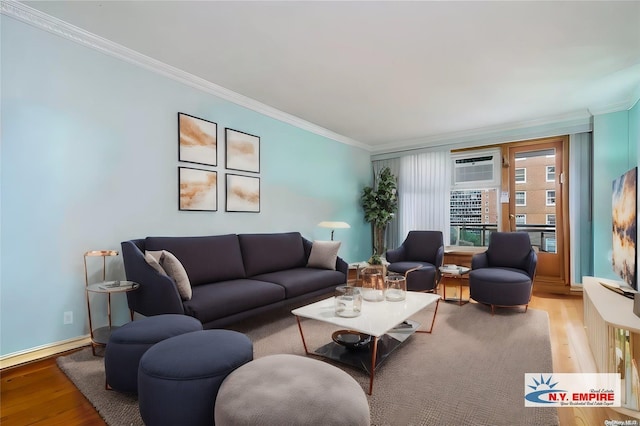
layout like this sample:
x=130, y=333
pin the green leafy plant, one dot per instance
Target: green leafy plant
x=375, y=260
x=380, y=204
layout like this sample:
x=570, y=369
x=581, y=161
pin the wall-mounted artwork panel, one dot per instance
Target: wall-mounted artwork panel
x=198, y=140
x=198, y=189
x=243, y=193
x=242, y=151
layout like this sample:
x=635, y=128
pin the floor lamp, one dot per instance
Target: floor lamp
x=333, y=226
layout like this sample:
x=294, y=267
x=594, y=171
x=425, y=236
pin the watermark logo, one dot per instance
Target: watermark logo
x=572, y=389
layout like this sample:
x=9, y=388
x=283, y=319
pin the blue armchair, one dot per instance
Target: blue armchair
x=503, y=275
x=419, y=258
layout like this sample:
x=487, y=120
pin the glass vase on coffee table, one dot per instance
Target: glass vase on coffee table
x=373, y=285
x=395, y=288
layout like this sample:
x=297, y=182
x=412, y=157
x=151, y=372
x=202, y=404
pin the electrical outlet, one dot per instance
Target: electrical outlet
x=68, y=317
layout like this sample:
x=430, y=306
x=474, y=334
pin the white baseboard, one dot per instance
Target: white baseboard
x=34, y=354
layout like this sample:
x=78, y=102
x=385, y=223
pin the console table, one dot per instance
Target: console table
x=613, y=332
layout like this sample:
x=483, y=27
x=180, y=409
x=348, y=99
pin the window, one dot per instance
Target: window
x=550, y=245
x=551, y=197
x=469, y=218
x=521, y=175
x=551, y=173
x=521, y=198
x=521, y=219
x=551, y=219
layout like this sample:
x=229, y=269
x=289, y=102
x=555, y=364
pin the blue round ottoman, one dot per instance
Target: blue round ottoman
x=179, y=378
x=128, y=343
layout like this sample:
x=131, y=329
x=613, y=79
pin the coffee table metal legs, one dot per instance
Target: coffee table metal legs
x=433, y=320
x=306, y=351
x=374, y=345
x=374, y=356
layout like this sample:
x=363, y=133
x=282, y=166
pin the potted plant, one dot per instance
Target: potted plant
x=380, y=204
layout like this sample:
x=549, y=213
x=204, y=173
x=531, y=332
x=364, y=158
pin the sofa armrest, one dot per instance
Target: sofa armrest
x=395, y=255
x=157, y=293
x=343, y=267
x=479, y=260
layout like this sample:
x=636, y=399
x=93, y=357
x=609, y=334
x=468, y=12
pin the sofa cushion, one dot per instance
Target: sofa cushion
x=206, y=259
x=324, y=254
x=263, y=253
x=218, y=300
x=299, y=281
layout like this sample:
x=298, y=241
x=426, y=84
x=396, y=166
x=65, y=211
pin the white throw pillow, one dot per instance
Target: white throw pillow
x=324, y=254
x=153, y=259
x=173, y=268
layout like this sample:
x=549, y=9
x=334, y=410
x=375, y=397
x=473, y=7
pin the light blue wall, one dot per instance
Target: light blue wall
x=615, y=150
x=89, y=159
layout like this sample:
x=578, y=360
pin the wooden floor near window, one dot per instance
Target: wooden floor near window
x=39, y=393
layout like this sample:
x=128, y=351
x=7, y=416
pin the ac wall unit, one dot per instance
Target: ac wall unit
x=476, y=169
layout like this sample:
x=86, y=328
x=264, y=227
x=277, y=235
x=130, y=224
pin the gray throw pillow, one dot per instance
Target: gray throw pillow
x=153, y=259
x=171, y=266
x=324, y=254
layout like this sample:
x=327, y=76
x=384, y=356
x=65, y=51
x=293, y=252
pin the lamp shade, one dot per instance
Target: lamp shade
x=334, y=225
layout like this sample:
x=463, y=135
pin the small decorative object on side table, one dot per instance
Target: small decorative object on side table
x=100, y=336
x=458, y=273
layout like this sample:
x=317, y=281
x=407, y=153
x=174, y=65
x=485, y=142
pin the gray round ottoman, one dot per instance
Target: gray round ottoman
x=128, y=343
x=290, y=390
x=179, y=378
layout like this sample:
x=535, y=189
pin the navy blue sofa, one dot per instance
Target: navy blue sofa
x=232, y=276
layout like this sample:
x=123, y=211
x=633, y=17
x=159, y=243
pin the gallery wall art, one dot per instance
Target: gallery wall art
x=198, y=140
x=242, y=151
x=243, y=193
x=198, y=189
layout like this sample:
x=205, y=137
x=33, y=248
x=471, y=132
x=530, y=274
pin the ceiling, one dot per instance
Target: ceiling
x=388, y=74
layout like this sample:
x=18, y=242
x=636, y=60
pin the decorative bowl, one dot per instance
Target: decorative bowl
x=351, y=339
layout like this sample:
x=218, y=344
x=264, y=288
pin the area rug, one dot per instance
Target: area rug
x=469, y=371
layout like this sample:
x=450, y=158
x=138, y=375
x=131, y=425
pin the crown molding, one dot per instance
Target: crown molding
x=63, y=29
x=625, y=105
x=573, y=122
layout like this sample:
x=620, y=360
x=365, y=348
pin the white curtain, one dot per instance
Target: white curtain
x=424, y=192
x=580, y=206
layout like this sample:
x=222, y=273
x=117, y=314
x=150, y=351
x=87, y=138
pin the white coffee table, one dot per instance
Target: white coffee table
x=378, y=319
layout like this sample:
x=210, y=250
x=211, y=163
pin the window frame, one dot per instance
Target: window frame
x=546, y=197
x=547, y=173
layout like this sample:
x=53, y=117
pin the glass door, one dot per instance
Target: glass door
x=536, y=206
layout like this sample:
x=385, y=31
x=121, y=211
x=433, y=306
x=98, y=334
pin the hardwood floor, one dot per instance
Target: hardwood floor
x=39, y=393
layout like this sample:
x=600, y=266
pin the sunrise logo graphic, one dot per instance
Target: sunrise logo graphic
x=544, y=391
